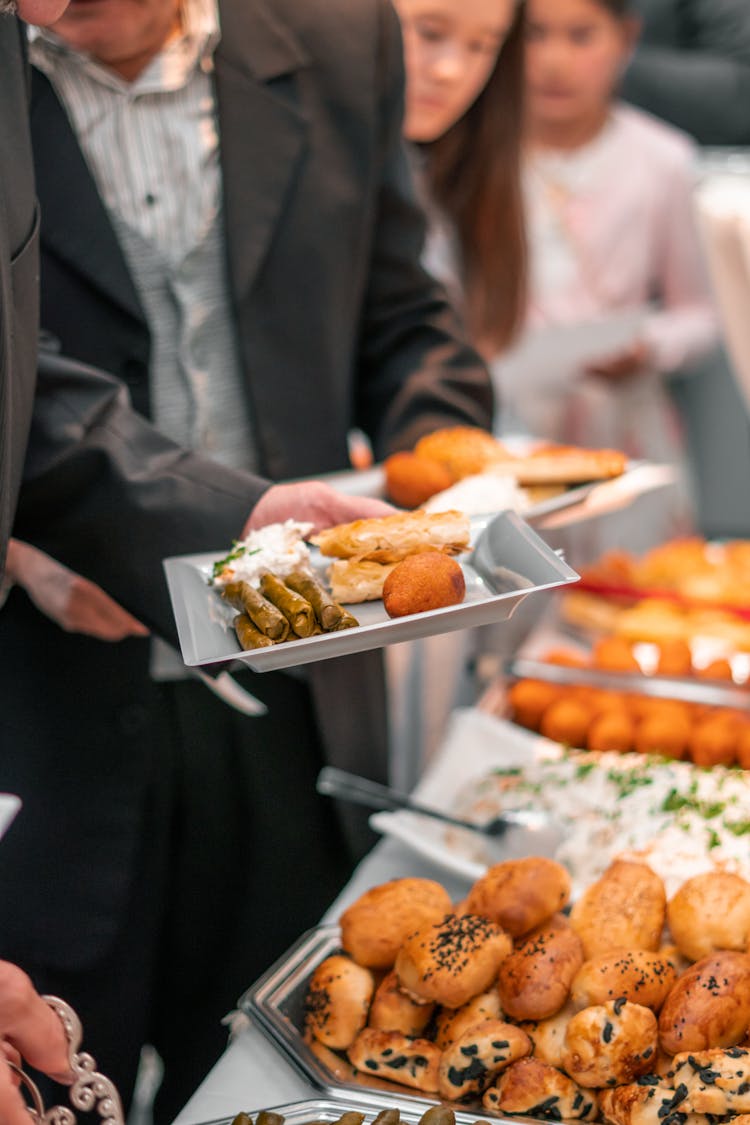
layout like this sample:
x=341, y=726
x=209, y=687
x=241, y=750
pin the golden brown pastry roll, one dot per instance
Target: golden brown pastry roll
x=354, y=581
x=374, y=927
x=548, y=1036
x=610, y=1044
x=389, y=539
x=647, y=1102
x=452, y=1023
x=520, y=894
x=388, y=1054
x=393, y=1010
x=709, y=1005
x=710, y=912
x=470, y=1064
x=534, y=982
x=716, y=1082
x=625, y=909
x=534, y=1089
x=637, y=975
x=338, y=1000
x=452, y=960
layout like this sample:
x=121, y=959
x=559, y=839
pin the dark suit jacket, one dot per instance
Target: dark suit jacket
x=338, y=326
x=692, y=67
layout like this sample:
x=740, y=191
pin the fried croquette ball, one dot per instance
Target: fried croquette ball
x=714, y=742
x=602, y=702
x=410, y=480
x=428, y=580
x=615, y=654
x=664, y=732
x=566, y=721
x=529, y=699
x=612, y=730
x=675, y=658
x=716, y=670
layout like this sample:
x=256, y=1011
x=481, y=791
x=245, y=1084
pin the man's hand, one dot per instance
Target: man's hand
x=312, y=502
x=29, y=1029
x=616, y=368
x=74, y=603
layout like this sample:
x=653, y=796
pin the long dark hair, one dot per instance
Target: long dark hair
x=474, y=177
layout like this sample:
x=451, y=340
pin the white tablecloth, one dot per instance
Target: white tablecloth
x=252, y=1073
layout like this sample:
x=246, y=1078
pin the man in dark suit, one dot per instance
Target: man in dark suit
x=336, y=326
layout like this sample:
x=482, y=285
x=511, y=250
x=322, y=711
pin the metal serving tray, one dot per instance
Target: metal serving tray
x=327, y=1111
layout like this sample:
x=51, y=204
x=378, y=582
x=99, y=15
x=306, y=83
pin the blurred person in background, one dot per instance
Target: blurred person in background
x=692, y=67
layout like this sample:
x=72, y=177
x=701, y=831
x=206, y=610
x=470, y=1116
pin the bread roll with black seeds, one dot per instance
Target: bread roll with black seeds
x=610, y=1044
x=646, y=1102
x=548, y=1036
x=451, y=1023
x=374, y=927
x=709, y=1005
x=534, y=1089
x=534, y=982
x=453, y=960
x=520, y=894
x=637, y=975
x=716, y=1082
x=388, y=1054
x=393, y=1010
x=625, y=909
x=710, y=912
x=338, y=1000
x=469, y=1065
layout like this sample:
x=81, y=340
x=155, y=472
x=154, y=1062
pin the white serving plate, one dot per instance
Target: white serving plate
x=510, y=562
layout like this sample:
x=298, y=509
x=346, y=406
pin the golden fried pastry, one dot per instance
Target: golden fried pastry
x=548, y=1036
x=535, y=1089
x=625, y=909
x=534, y=982
x=611, y=730
x=663, y=732
x=389, y=539
x=716, y=670
x=614, y=654
x=520, y=894
x=425, y=581
x=388, y=1054
x=452, y=1023
x=374, y=927
x=567, y=721
x=569, y=464
x=353, y=581
x=529, y=699
x=393, y=1010
x=410, y=479
x=632, y=974
x=716, y=1082
x=649, y=1102
x=461, y=450
x=337, y=1002
x=452, y=960
x=610, y=1044
x=714, y=742
x=470, y=1064
x=675, y=658
x=709, y=1005
x=710, y=912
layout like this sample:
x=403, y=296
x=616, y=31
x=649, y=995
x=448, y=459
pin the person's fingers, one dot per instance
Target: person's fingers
x=94, y=612
x=9, y=1052
x=13, y=1109
x=312, y=502
x=30, y=1025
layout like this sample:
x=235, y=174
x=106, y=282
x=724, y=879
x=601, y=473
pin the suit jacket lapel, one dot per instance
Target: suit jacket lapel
x=64, y=184
x=261, y=127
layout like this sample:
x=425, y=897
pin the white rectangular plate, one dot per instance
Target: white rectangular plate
x=515, y=562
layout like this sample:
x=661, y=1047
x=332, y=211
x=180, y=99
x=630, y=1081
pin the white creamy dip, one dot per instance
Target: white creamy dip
x=279, y=547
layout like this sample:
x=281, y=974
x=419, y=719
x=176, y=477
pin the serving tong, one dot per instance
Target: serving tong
x=89, y=1090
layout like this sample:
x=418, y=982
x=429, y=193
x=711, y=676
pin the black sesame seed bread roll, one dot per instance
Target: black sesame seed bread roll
x=388, y=1054
x=393, y=1010
x=610, y=1044
x=453, y=960
x=477, y=1057
x=637, y=975
x=534, y=982
x=535, y=1089
x=338, y=1000
x=548, y=1036
x=645, y=1102
x=451, y=1023
x=709, y=1005
x=716, y=1082
x=625, y=909
x=520, y=894
x=375, y=926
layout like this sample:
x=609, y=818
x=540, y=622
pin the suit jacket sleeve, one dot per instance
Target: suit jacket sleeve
x=107, y=494
x=703, y=88
x=415, y=374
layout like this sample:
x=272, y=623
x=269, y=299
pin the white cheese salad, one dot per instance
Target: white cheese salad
x=279, y=548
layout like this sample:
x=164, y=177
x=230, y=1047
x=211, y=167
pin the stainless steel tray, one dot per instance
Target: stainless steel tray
x=329, y=1110
x=509, y=562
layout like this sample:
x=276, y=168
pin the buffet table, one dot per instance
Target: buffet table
x=252, y=1073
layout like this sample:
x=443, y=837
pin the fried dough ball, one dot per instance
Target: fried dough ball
x=610, y=1044
x=452, y=1023
x=612, y=730
x=614, y=654
x=452, y=960
x=566, y=721
x=709, y=1005
x=388, y=1054
x=374, y=927
x=716, y=670
x=338, y=999
x=716, y=1082
x=534, y=981
x=529, y=699
x=470, y=1064
x=605, y=702
x=410, y=479
x=520, y=894
x=675, y=658
x=462, y=450
x=633, y=974
x=535, y=1089
x=714, y=742
x=548, y=1036
x=425, y=581
x=664, y=732
x=710, y=912
x=625, y=909
x=393, y=1010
